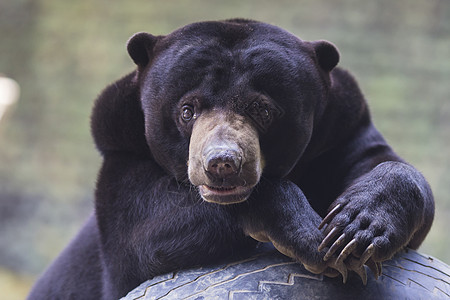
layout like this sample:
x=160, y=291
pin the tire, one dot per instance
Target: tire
x=270, y=275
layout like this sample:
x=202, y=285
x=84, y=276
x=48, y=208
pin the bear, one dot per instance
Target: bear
x=229, y=134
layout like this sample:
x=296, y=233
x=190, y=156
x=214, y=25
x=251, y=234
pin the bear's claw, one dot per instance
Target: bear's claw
x=340, y=267
x=353, y=264
x=328, y=238
x=367, y=254
x=375, y=267
x=348, y=250
x=336, y=245
x=330, y=215
x=346, y=257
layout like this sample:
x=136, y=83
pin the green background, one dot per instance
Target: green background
x=63, y=53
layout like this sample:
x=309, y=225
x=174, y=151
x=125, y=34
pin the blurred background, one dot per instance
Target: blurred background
x=63, y=53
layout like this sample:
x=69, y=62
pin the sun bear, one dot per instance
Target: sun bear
x=228, y=134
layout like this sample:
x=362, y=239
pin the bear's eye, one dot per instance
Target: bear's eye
x=187, y=113
x=266, y=114
x=263, y=113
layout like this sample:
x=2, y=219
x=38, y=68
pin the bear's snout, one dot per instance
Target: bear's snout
x=225, y=162
x=222, y=163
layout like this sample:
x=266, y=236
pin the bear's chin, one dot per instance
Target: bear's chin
x=224, y=195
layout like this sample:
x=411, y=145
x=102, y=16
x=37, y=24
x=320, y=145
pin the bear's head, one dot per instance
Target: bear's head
x=225, y=102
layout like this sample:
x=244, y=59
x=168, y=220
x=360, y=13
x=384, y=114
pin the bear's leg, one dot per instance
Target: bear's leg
x=378, y=215
x=279, y=212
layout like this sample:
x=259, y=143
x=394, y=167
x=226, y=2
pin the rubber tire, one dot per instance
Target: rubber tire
x=267, y=274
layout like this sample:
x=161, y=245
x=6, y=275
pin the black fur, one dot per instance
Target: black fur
x=321, y=151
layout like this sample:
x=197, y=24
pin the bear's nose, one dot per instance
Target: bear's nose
x=222, y=163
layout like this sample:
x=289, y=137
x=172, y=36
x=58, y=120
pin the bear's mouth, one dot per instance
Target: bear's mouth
x=224, y=194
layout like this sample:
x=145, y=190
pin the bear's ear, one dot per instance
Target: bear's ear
x=327, y=54
x=140, y=48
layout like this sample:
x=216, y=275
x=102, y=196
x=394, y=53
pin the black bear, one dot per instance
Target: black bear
x=229, y=133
